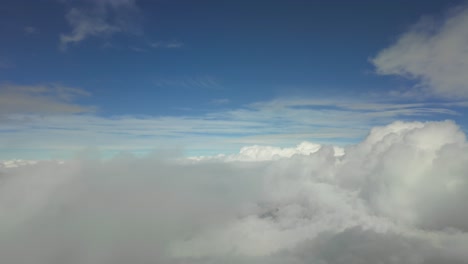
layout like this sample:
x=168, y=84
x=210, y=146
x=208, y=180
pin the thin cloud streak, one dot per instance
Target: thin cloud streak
x=277, y=122
x=188, y=82
x=40, y=100
x=30, y=30
x=167, y=44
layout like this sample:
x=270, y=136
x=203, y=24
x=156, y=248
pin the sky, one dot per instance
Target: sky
x=256, y=132
x=208, y=77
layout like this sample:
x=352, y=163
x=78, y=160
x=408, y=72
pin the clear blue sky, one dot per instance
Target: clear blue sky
x=207, y=77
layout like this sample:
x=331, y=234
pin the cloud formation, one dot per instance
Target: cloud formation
x=174, y=44
x=432, y=52
x=30, y=30
x=263, y=153
x=187, y=82
x=58, y=128
x=40, y=100
x=100, y=18
x=396, y=197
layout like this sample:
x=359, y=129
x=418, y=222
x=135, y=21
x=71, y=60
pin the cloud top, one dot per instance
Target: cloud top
x=396, y=197
x=256, y=153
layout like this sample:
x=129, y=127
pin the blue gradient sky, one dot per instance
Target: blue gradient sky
x=205, y=77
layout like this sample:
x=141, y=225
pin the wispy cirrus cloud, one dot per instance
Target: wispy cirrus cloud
x=434, y=53
x=174, y=44
x=188, y=82
x=158, y=45
x=100, y=18
x=220, y=101
x=6, y=64
x=29, y=30
x=277, y=122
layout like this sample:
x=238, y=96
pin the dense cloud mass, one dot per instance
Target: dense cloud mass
x=399, y=196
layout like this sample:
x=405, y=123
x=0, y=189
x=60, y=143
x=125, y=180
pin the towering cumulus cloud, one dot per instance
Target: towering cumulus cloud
x=399, y=196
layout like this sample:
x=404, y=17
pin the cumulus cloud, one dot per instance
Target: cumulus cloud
x=396, y=197
x=264, y=153
x=40, y=99
x=100, y=18
x=433, y=52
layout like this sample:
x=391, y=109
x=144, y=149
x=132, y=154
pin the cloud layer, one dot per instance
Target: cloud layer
x=396, y=197
x=46, y=125
x=433, y=52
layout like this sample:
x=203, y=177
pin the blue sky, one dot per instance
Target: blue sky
x=206, y=77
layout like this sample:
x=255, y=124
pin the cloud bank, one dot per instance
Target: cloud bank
x=433, y=52
x=45, y=125
x=396, y=197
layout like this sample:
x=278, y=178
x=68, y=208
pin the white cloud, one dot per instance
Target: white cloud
x=264, y=153
x=282, y=122
x=100, y=18
x=40, y=99
x=433, y=52
x=16, y=163
x=396, y=197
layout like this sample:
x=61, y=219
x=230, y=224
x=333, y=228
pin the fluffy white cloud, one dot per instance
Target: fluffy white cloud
x=434, y=52
x=100, y=18
x=264, y=153
x=397, y=197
